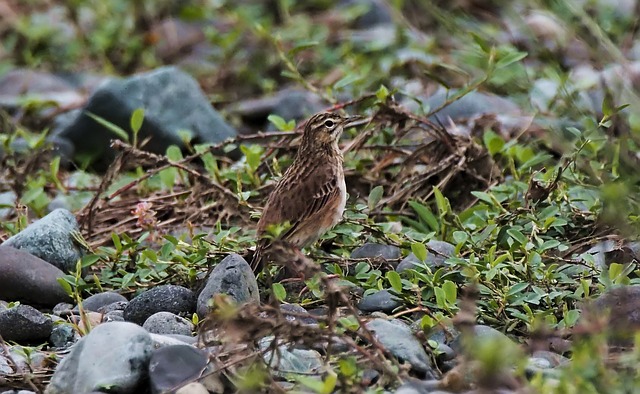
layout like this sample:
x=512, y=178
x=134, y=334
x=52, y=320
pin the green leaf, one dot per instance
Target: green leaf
x=441, y=297
x=394, y=280
x=348, y=366
x=302, y=46
x=441, y=202
x=66, y=286
x=493, y=142
x=280, y=123
x=346, y=80
x=419, y=250
x=279, y=291
x=517, y=236
x=450, y=291
x=117, y=130
x=460, y=237
x=424, y=213
x=510, y=58
x=375, y=195
x=382, y=94
x=137, y=117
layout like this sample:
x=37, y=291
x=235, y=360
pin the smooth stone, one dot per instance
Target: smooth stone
x=112, y=316
x=63, y=335
x=289, y=104
x=9, y=199
x=622, y=305
x=397, y=338
x=192, y=388
x=165, y=298
x=302, y=316
x=29, y=279
x=118, y=306
x=382, y=301
x=373, y=250
x=287, y=360
x=50, y=239
x=481, y=333
x=232, y=276
x=111, y=355
x=172, y=101
x=438, y=253
x=24, y=323
x=415, y=386
x=160, y=340
x=17, y=84
x=470, y=105
x=97, y=301
x=173, y=366
x=168, y=323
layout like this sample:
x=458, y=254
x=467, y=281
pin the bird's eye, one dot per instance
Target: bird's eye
x=329, y=123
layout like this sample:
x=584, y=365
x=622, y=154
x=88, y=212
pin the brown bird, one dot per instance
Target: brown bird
x=311, y=195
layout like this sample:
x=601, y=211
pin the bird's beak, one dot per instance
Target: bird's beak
x=356, y=120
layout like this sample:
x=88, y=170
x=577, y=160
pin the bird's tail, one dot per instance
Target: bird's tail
x=257, y=262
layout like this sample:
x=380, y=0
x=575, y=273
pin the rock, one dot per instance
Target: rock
x=193, y=388
x=112, y=316
x=397, y=338
x=295, y=312
x=481, y=332
x=470, y=105
x=165, y=298
x=289, y=104
x=372, y=250
x=50, y=239
x=118, y=306
x=24, y=323
x=37, y=85
x=7, y=199
x=62, y=309
x=97, y=302
x=172, y=103
x=111, y=355
x=173, y=366
x=26, y=278
x=377, y=12
x=63, y=335
x=288, y=360
x=439, y=251
x=168, y=323
x=382, y=301
x=232, y=276
x=160, y=340
x=622, y=304
x=415, y=386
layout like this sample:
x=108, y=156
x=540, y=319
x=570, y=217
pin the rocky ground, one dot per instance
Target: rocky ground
x=490, y=239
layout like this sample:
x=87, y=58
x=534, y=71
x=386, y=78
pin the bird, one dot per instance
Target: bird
x=311, y=195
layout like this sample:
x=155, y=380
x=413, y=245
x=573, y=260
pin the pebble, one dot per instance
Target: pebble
x=396, y=337
x=63, y=335
x=172, y=100
x=50, y=239
x=111, y=355
x=438, y=252
x=232, y=276
x=24, y=324
x=173, y=366
x=302, y=316
x=287, y=360
x=373, y=250
x=382, y=301
x=97, y=302
x=164, y=298
x=168, y=323
x=29, y=279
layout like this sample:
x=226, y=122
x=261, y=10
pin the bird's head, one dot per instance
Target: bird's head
x=325, y=128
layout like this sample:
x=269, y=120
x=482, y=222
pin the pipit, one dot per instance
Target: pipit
x=311, y=195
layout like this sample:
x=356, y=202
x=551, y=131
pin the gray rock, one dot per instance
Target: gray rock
x=295, y=312
x=382, y=301
x=232, y=276
x=439, y=251
x=372, y=250
x=50, y=239
x=62, y=309
x=193, y=388
x=414, y=386
x=7, y=202
x=160, y=340
x=98, y=301
x=622, y=305
x=481, y=332
x=287, y=360
x=289, y=104
x=112, y=355
x=29, y=279
x=377, y=12
x=118, y=306
x=112, y=316
x=165, y=298
x=63, y=335
x=397, y=338
x=168, y=323
x=172, y=102
x=19, y=83
x=173, y=366
x=24, y=323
